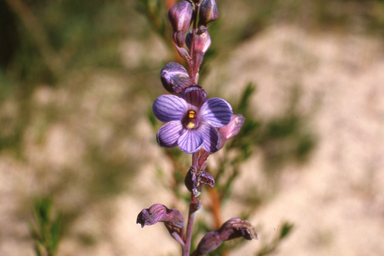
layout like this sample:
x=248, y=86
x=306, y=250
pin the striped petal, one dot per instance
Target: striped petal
x=216, y=111
x=169, y=107
x=194, y=95
x=210, y=136
x=191, y=141
x=168, y=134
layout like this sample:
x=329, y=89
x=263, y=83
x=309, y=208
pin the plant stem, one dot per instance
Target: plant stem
x=193, y=70
x=188, y=236
x=191, y=214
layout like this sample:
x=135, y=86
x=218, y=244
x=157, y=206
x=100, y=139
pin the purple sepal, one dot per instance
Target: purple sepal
x=183, y=53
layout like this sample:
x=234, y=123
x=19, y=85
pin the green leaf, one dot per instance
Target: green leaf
x=285, y=230
x=245, y=97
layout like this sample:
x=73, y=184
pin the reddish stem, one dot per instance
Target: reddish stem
x=192, y=70
x=215, y=207
x=191, y=65
x=191, y=214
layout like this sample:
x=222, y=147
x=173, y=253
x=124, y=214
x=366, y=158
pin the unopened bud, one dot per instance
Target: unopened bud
x=201, y=45
x=202, y=41
x=175, y=78
x=231, y=129
x=231, y=229
x=208, y=12
x=160, y=213
x=180, y=16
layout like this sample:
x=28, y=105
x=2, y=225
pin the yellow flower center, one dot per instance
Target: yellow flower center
x=191, y=115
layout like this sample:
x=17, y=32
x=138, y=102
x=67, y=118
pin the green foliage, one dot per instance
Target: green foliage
x=271, y=247
x=155, y=12
x=45, y=229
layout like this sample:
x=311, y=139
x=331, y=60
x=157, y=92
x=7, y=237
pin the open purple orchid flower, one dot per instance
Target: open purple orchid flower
x=191, y=120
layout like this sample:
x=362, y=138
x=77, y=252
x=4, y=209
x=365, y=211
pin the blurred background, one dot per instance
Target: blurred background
x=77, y=83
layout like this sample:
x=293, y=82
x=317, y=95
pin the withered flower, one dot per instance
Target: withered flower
x=196, y=178
x=160, y=213
x=231, y=229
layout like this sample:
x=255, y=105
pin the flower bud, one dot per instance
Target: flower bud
x=208, y=12
x=175, y=78
x=231, y=129
x=180, y=16
x=196, y=178
x=231, y=229
x=201, y=45
x=160, y=213
x=202, y=41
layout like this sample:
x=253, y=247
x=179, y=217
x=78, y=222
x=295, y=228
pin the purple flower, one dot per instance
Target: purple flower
x=191, y=120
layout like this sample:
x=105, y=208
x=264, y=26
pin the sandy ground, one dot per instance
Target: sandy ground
x=336, y=200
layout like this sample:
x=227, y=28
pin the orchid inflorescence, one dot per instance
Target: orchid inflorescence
x=197, y=125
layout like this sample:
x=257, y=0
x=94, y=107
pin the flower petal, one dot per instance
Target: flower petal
x=169, y=107
x=210, y=136
x=168, y=134
x=190, y=142
x=216, y=111
x=194, y=95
